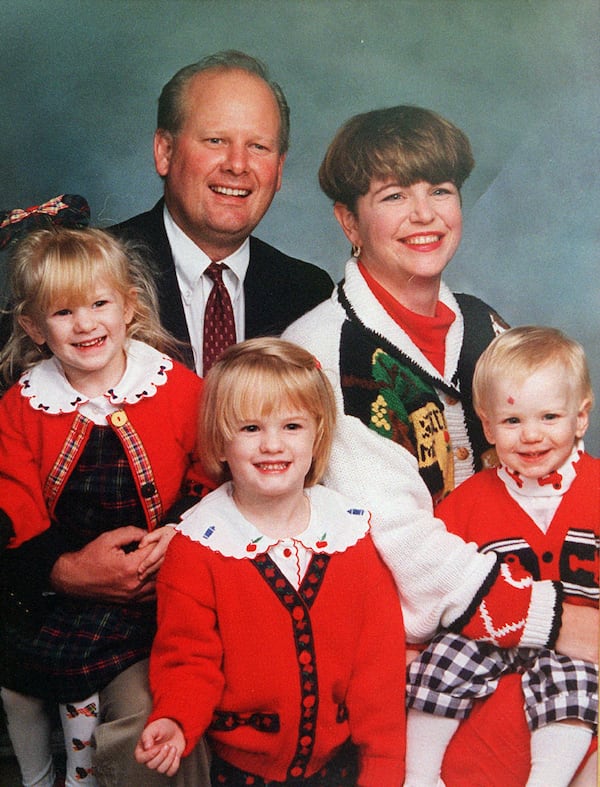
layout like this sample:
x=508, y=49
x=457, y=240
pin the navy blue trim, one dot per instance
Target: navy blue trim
x=557, y=620
x=460, y=623
x=225, y=721
x=298, y=604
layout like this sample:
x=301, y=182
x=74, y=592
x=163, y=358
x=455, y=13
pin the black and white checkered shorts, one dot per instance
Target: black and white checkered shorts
x=453, y=672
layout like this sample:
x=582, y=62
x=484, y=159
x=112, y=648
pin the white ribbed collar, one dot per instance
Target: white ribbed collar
x=372, y=314
x=541, y=497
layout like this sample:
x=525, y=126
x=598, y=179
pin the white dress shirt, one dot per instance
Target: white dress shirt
x=190, y=266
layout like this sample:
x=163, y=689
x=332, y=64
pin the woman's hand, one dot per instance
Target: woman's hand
x=159, y=539
x=160, y=746
x=578, y=636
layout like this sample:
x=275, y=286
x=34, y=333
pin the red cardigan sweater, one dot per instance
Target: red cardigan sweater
x=35, y=446
x=239, y=650
x=482, y=510
x=491, y=748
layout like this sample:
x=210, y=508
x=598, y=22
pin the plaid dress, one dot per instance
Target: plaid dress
x=81, y=644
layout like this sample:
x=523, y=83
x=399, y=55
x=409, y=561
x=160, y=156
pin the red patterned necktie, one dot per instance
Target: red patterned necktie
x=219, y=323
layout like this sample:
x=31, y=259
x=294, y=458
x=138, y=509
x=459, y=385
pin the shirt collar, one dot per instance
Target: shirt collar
x=554, y=484
x=335, y=524
x=47, y=388
x=428, y=333
x=372, y=314
x=191, y=262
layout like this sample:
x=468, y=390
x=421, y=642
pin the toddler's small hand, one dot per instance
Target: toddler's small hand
x=159, y=539
x=160, y=746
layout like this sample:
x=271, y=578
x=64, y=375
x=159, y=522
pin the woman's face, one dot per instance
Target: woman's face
x=407, y=234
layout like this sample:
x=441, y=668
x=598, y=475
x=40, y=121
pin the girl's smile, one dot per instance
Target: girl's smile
x=88, y=337
x=91, y=343
x=272, y=467
x=269, y=458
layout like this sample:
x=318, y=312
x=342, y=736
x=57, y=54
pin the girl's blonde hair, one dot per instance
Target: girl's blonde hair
x=59, y=263
x=254, y=379
x=520, y=351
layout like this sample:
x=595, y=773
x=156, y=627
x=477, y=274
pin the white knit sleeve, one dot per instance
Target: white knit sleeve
x=438, y=575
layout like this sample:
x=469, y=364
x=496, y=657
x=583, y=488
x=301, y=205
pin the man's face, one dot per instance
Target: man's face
x=223, y=168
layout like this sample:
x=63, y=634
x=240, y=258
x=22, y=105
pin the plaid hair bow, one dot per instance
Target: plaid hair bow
x=69, y=210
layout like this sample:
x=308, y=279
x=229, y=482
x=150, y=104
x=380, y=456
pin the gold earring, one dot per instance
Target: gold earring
x=356, y=250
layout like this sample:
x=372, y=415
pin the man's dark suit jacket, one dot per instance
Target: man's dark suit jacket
x=277, y=289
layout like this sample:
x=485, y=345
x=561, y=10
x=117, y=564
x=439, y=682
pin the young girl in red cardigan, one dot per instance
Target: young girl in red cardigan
x=540, y=511
x=280, y=633
x=97, y=435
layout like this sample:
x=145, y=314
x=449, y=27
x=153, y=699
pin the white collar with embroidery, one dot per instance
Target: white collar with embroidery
x=335, y=525
x=47, y=388
x=552, y=485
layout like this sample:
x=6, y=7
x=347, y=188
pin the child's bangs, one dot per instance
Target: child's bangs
x=259, y=392
x=70, y=276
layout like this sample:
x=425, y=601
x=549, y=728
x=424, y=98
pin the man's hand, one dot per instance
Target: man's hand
x=103, y=570
x=578, y=637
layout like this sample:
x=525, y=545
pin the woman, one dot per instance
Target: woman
x=400, y=349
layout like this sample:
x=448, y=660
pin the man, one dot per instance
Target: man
x=220, y=146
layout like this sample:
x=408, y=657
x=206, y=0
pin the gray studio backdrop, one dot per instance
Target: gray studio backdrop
x=80, y=79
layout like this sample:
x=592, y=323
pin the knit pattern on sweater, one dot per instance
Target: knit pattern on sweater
x=392, y=395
